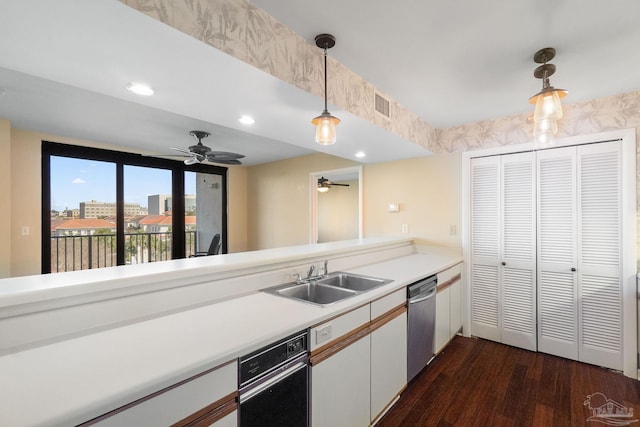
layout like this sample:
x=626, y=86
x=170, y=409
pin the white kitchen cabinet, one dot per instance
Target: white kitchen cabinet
x=359, y=366
x=204, y=400
x=340, y=387
x=503, y=249
x=388, y=353
x=441, y=337
x=448, y=307
x=455, y=308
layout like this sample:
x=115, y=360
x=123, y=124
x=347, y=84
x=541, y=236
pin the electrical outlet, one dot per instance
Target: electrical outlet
x=405, y=228
x=452, y=230
x=323, y=334
x=25, y=231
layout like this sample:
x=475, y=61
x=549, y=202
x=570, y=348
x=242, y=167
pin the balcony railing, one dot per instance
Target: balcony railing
x=70, y=253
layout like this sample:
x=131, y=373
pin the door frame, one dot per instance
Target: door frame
x=313, y=198
x=629, y=225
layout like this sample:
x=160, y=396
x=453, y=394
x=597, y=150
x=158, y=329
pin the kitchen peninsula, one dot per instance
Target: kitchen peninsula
x=77, y=346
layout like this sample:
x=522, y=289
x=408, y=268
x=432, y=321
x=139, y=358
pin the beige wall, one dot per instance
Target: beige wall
x=428, y=192
x=237, y=209
x=278, y=199
x=22, y=192
x=5, y=198
x=338, y=212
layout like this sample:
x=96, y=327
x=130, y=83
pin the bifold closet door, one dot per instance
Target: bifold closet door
x=486, y=223
x=503, y=303
x=518, y=250
x=580, y=252
x=599, y=269
x=557, y=253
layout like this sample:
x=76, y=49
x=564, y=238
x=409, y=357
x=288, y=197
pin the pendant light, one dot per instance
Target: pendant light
x=548, y=107
x=325, y=123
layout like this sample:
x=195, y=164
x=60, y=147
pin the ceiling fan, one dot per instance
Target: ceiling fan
x=199, y=152
x=324, y=184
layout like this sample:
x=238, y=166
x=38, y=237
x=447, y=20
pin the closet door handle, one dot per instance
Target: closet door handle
x=573, y=269
x=503, y=263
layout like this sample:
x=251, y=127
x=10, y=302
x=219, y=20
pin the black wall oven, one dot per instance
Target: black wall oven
x=274, y=384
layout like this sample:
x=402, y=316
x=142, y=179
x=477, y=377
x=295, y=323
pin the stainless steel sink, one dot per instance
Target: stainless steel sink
x=353, y=282
x=326, y=290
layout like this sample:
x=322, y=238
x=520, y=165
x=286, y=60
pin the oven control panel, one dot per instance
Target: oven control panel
x=256, y=364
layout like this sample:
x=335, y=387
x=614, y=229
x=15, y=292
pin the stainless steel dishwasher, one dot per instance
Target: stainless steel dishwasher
x=421, y=299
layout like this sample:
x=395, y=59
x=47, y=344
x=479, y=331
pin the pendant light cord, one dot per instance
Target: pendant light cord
x=325, y=80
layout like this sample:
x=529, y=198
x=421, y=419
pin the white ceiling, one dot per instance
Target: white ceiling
x=64, y=66
x=455, y=62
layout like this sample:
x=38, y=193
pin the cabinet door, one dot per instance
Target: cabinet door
x=340, y=387
x=388, y=363
x=442, y=333
x=455, y=308
x=557, y=253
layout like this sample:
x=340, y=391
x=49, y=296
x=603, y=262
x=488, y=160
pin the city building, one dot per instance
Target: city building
x=94, y=209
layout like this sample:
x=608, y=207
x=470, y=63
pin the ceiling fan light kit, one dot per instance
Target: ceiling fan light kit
x=325, y=123
x=548, y=107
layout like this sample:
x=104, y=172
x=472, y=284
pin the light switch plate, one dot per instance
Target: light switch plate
x=323, y=334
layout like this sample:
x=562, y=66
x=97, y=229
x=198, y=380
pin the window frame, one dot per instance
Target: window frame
x=121, y=159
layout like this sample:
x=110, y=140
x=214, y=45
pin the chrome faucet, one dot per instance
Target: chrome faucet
x=310, y=272
x=326, y=268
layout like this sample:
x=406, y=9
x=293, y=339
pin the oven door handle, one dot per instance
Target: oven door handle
x=253, y=391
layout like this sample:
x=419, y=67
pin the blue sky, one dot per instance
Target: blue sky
x=77, y=180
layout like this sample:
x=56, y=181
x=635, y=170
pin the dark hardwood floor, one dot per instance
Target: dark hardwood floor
x=475, y=382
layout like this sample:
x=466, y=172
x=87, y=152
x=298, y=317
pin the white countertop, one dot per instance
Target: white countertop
x=75, y=380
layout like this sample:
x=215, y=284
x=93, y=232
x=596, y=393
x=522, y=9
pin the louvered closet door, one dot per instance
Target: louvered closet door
x=518, y=251
x=600, y=254
x=557, y=253
x=485, y=247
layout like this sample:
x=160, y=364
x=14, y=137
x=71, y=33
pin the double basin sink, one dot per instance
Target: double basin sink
x=329, y=289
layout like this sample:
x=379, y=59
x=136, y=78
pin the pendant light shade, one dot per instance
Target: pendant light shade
x=325, y=128
x=548, y=107
x=325, y=123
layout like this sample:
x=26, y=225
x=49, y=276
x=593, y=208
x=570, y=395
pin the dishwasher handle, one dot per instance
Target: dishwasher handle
x=423, y=297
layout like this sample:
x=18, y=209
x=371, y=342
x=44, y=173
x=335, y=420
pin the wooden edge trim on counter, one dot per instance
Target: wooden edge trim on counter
x=151, y=396
x=210, y=413
x=445, y=285
x=328, y=350
x=387, y=317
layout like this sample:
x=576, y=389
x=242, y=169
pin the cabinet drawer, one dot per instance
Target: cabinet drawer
x=449, y=274
x=177, y=402
x=387, y=303
x=335, y=328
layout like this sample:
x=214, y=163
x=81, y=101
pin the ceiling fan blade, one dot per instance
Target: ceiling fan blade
x=222, y=155
x=225, y=161
x=191, y=161
x=341, y=185
x=182, y=151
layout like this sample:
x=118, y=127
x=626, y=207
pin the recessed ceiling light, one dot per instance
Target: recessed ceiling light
x=360, y=154
x=246, y=120
x=140, y=89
